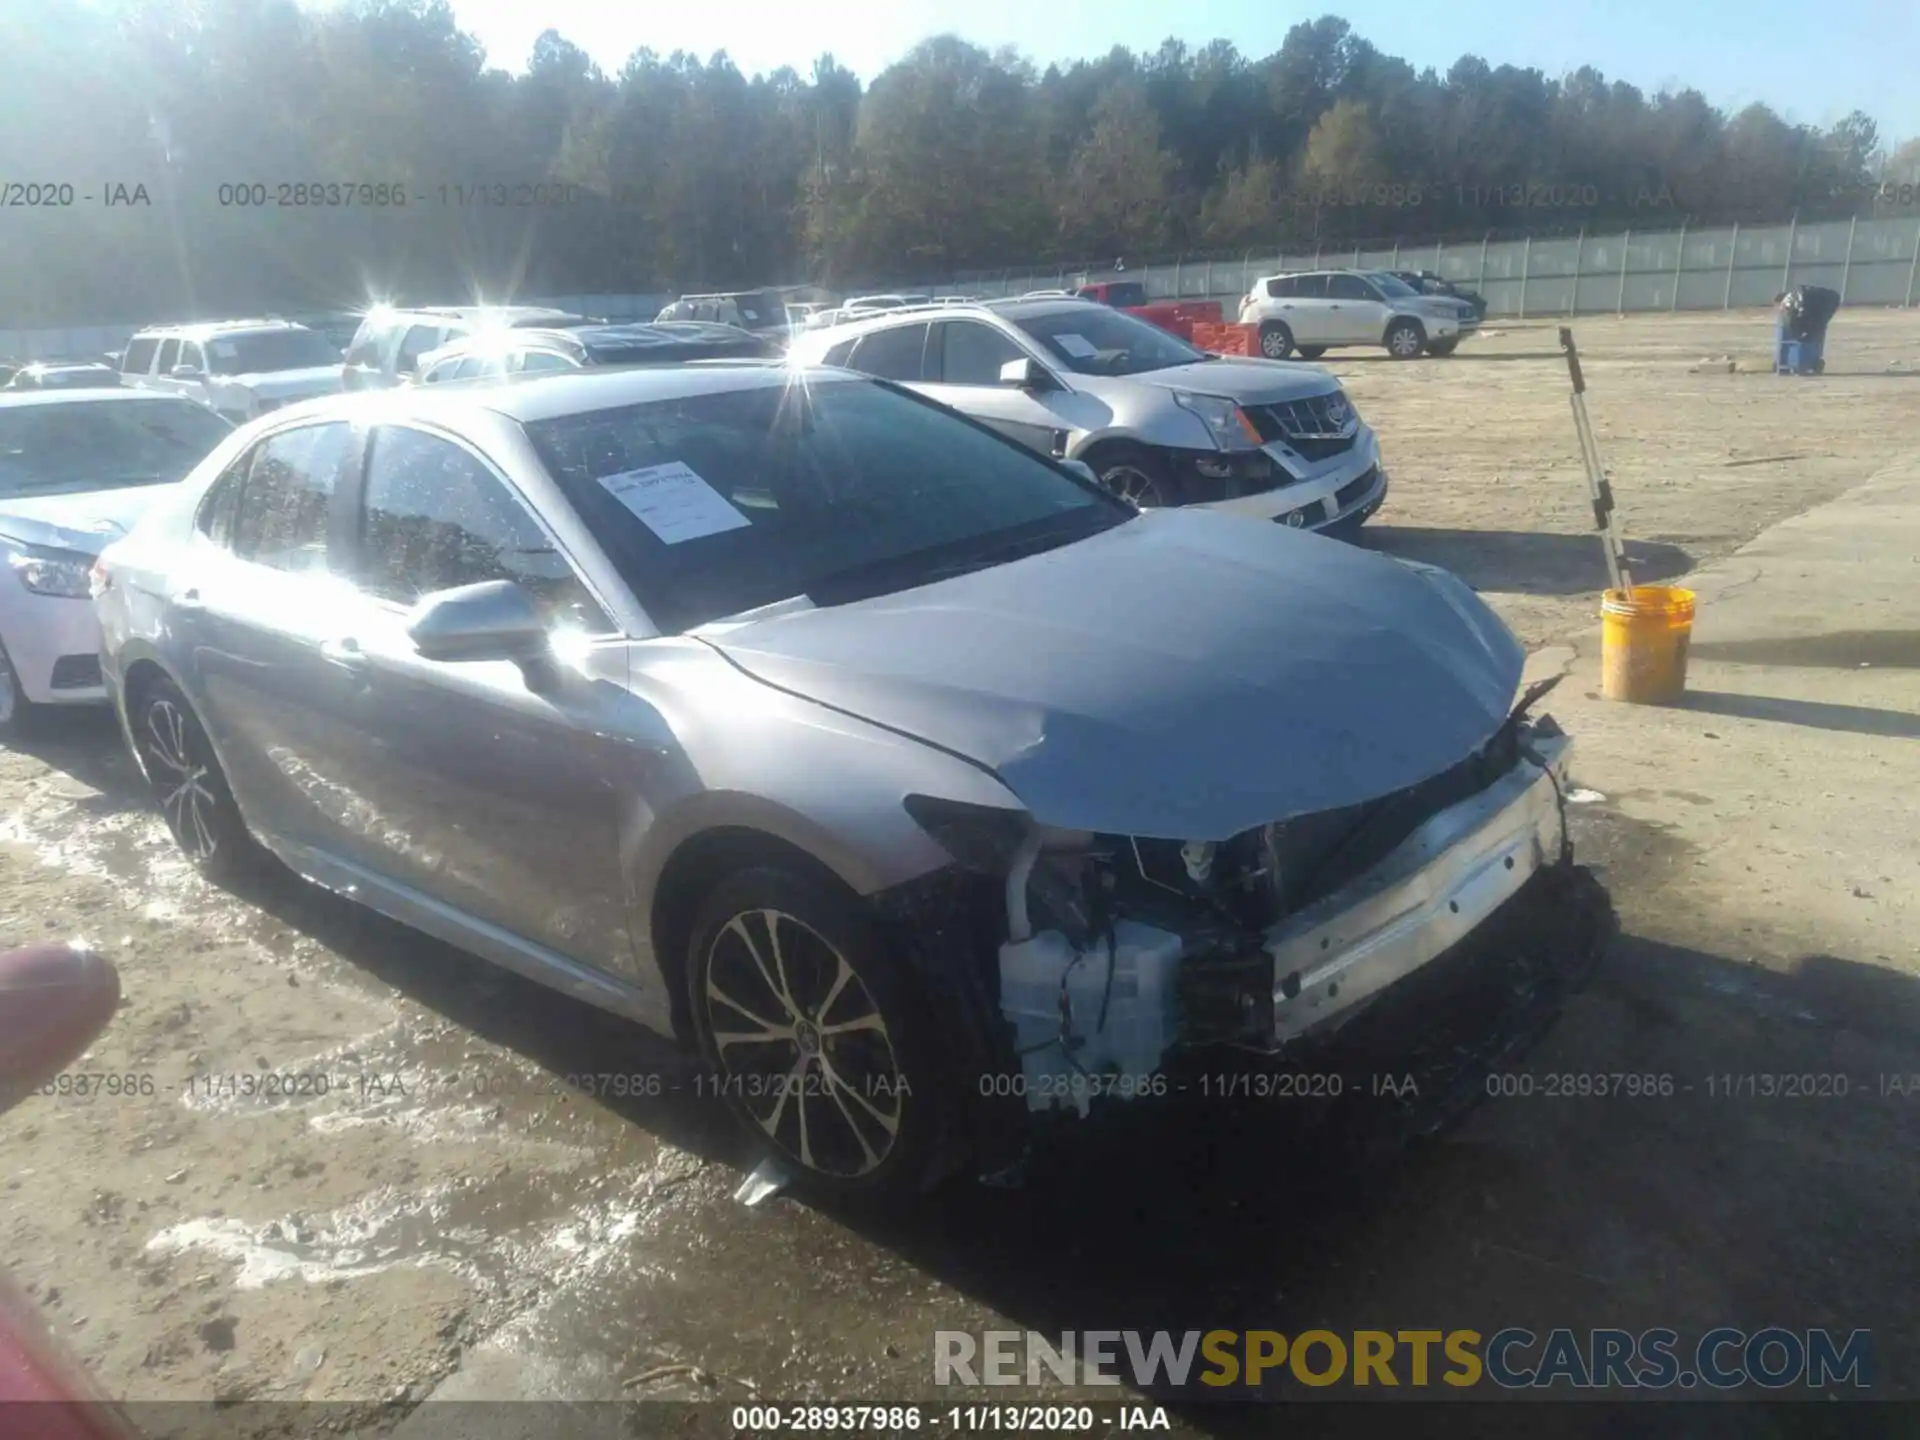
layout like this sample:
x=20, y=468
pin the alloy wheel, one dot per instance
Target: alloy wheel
x=1406, y=341
x=180, y=778
x=1274, y=345
x=801, y=1044
x=1133, y=485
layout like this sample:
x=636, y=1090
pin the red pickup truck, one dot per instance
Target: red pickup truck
x=1176, y=316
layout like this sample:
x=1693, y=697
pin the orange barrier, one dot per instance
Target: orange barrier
x=1227, y=339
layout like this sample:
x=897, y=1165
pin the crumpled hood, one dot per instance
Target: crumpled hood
x=87, y=522
x=1247, y=382
x=289, y=384
x=1182, y=676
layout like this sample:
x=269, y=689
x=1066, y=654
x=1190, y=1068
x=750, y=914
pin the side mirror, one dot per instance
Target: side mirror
x=1083, y=470
x=494, y=620
x=186, y=372
x=1023, y=374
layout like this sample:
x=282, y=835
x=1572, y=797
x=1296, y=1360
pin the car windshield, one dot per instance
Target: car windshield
x=102, y=445
x=269, y=350
x=1097, y=341
x=1392, y=286
x=721, y=503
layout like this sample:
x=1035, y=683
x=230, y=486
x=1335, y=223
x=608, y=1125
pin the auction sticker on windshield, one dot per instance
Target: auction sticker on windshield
x=673, y=502
x=1077, y=346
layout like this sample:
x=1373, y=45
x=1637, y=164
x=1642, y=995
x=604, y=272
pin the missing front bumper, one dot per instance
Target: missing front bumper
x=1432, y=891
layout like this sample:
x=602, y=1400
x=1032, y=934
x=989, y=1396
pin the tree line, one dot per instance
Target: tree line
x=174, y=157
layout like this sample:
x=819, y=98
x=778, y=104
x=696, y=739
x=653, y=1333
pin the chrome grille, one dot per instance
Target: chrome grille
x=1316, y=428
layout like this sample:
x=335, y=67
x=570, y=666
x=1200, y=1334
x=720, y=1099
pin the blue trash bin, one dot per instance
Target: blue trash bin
x=1812, y=355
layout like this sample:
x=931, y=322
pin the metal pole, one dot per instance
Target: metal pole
x=1579, y=255
x=1846, y=266
x=1913, y=265
x=1356, y=257
x=1396, y=253
x=1526, y=269
x=1176, y=280
x=1726, y=296
x=1483, y=261
x=1439, y=249
x=1620, y=301
x=1599, y=491
x=1786, y=270
x=1679, y=260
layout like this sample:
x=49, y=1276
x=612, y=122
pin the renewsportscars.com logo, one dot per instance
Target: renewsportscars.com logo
x=1726, y=1358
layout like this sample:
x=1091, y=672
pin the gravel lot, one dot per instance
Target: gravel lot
x=432, y=1191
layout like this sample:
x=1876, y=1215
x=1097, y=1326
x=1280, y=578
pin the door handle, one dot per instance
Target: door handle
x=344, y=652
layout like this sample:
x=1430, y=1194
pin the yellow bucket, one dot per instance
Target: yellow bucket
x=1643, y=643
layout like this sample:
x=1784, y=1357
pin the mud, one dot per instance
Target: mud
x=340, y=1161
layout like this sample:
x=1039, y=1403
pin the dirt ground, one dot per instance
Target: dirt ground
x=332, y=1159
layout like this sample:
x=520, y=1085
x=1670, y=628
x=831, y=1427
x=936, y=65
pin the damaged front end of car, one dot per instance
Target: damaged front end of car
x=1079, y=969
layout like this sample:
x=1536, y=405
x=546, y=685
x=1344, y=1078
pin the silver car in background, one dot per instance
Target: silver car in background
x=1158, y=421
x=798, y=716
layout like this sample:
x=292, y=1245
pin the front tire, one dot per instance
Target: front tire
x=19, y=716
x=1276, y=340
x=1135, y=474
x=813, y=1034
x=1405, y=339
x=189, y=785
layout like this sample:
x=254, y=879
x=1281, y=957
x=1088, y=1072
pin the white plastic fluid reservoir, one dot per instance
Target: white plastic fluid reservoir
x=1030, y=972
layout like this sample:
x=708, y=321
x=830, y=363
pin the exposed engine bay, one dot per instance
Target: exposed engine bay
x=1121, y=951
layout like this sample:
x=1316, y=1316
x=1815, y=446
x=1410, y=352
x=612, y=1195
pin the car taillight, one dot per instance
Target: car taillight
x=99, y=579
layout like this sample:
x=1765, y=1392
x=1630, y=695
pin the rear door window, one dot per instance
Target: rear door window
x=1349, y=287
x=169, y=356
x=139, y=357
x=895, y=354
x=1309, y=287
x=282, y=520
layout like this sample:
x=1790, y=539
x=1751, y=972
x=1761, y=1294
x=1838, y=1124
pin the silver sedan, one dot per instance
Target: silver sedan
x=798, y=716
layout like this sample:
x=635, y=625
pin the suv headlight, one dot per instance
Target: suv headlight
x=47, y=571
x=1225, y=420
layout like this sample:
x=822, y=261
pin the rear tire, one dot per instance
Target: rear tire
x=189, y=785
x=814, y=1034
x=19, y=716
x=1312, y=352
x=1405, y=339
x=1276, y=340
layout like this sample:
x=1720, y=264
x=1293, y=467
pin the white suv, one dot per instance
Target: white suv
x=242, y=368
x=1313, y=312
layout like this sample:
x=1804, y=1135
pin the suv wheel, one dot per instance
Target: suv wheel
x=814, y=1036
x=1136, y=475
x=1405, y=339
x=1276, y=340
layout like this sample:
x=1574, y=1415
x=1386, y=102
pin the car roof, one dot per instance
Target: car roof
x=527, y=399
x=665, y=334
x=513, y=316
x=10, y=399
x=206, y=329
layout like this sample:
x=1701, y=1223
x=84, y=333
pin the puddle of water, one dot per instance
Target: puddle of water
x=490, y=1231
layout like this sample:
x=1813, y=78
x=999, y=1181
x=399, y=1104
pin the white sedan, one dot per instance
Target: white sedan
x=77, y=468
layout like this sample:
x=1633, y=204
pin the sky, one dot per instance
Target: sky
x=1813, y=64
